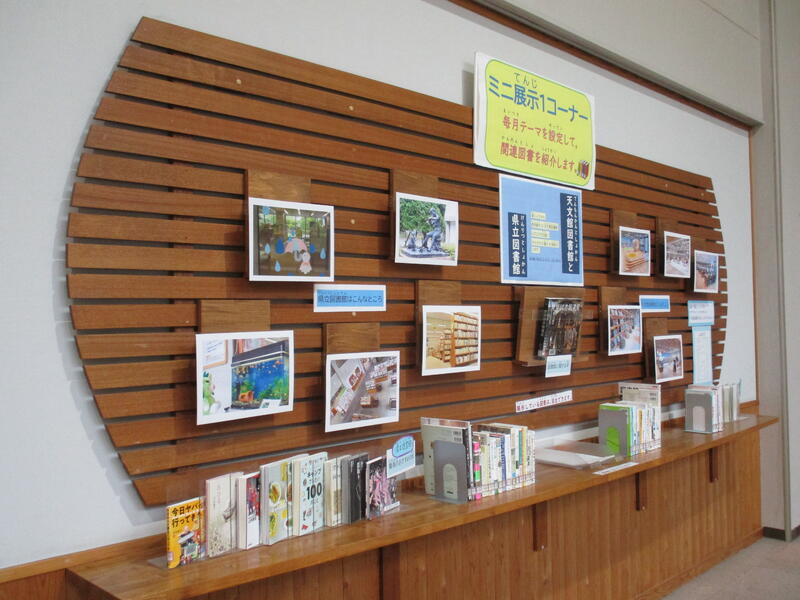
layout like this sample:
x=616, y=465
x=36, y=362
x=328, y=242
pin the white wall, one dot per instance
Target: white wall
x=63, y=487
x=688, y=46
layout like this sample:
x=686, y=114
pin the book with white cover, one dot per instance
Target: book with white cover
x=221, y=514
x=317, y=491
x=276, y=482
x=307, y=485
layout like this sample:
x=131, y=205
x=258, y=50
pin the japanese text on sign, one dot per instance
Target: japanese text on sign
x=531, y=125
x=544, y=401
x=345, y=298
x=517, y=247
x=570, y=234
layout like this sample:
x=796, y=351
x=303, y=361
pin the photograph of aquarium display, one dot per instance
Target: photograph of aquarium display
x=245, y=374
x=290, y=241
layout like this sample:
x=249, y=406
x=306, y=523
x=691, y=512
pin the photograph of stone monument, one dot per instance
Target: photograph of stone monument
x=426, y=230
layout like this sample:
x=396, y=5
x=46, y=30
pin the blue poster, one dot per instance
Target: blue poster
x=541, y=233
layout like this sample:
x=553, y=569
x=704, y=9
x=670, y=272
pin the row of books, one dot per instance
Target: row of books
x=706, y=408
x=463, y=462
x=633, y=424
x=291, y=497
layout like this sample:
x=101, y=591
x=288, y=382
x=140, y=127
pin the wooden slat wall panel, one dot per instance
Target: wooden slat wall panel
x=157, y=225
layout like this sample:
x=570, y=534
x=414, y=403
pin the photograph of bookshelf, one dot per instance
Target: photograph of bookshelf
x=452, y=339
x=624, y=330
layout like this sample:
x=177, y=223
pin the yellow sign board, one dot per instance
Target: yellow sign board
x=533, y=126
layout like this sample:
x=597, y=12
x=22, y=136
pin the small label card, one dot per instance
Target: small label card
x=558, y=365
x=651, y=304
x=337, y=297
x=401, y=457
x=701, y=312
x=543, y=401
x=615, y=468
x=702, y=359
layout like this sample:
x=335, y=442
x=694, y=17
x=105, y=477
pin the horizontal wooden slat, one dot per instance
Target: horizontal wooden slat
x=653, y=168
x=272, y=138
x=612, y=171
x=247, y=82
x=154, y=172
x=168, y=36
x=273, y=113
x=190, y=150
x=87, y=195
x=87, y=286
x=124, y=316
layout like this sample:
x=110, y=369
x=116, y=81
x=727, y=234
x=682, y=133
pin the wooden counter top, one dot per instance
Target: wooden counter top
x=142, y=576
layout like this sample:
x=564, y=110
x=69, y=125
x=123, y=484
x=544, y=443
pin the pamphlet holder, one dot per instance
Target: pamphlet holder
x=407, y=182
x=619, y=218
x=433, y=292
x=271, y=186
x=608, y=296
x=223, y=316
x=532, y=304
x=652, y=327
x=343, y=338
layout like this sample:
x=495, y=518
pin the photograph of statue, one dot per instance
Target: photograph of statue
x=426, y=230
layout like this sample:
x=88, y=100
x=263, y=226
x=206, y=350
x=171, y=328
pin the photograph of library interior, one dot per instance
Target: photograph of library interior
x=400, y=300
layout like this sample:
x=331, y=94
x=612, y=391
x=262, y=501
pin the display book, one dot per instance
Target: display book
x=286, y=498
x=709, y=406
x=463, y=462
x=631, y=425
x=560, y=327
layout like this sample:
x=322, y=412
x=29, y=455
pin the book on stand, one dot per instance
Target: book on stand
x=358, y=465
x=221, y=514
x=185, y=532
x=377, y=487
x=248, y=507
x=308, y=493
x=560, y=327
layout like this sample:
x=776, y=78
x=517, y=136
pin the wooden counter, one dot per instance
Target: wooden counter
x=140, y=577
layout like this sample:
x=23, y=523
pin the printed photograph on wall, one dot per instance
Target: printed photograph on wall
x=245, y=374
x=634, y=251
x=426, y=230
x=668, y=353
x=677, y=255
x=706, y=272
x=624, y=330
x=290, y=241
x=361, y=389
x=451, y=339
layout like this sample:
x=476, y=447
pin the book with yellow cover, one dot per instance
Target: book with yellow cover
x=185, y=534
